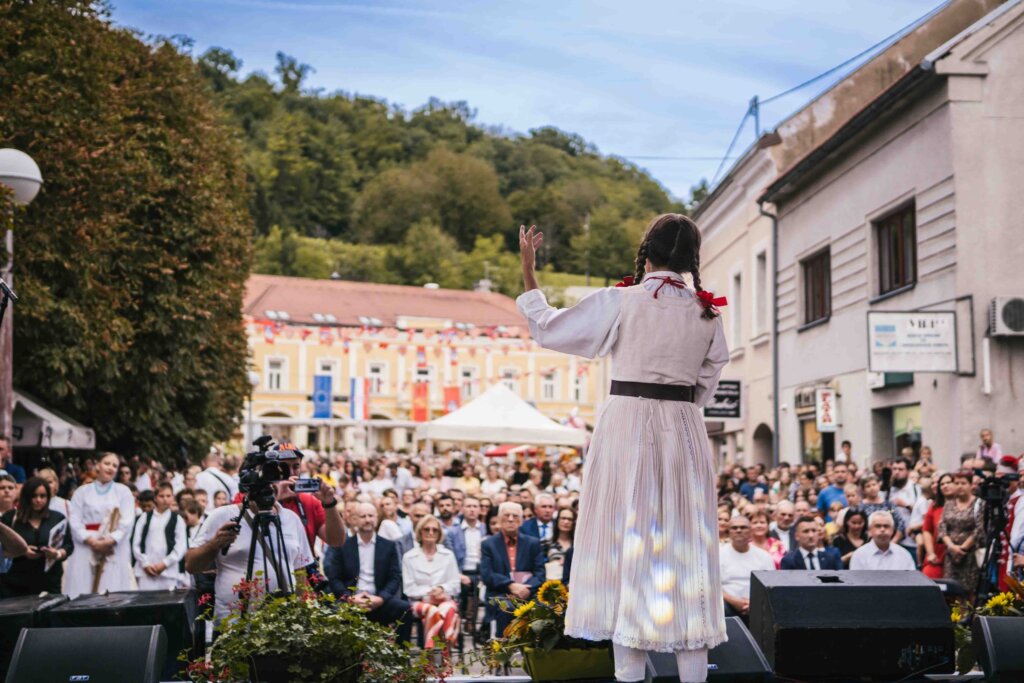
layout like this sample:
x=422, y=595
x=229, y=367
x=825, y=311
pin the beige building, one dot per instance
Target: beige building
x=739, y=239
x=415, y=348
x=910, y=206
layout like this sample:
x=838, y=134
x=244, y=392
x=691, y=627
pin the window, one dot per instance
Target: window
x=424, y=374
x=276, y=374
x=579, y=389
x=897, y=250
x=736, y=312
x=378, y=374
x=468, y=381
x=761, y=285
x=510, y=378
x=549, y=386
x=817, y=273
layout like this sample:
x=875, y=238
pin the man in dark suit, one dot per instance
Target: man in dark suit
x=366, y=570
x=807, y=555
x=502, y=578
x=542, y=525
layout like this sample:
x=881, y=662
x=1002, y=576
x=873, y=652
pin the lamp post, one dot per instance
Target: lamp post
x=254, y=381
x=20, y=173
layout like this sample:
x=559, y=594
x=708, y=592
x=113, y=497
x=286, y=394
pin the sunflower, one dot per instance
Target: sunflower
x=552, y=593
x=1001, y=603
x=524, y=608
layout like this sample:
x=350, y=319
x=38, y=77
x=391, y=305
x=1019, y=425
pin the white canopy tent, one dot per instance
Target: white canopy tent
x=500, y=416
x=39, y=427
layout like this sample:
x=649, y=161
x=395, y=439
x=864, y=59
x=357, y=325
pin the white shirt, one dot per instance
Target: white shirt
x=367, y=549
x=736, y=568
x=868, y=556
x=918, y=513
x=231, y=567
x=811, y=559
x=420, y=573
x=474, y=536
x=490, y=488
x=212, y=480
x=156, y=545
x=545, y=529
x=61, y=505
x=783, y=535
x=390, y=530
x=377, y=487
x=1017, y=530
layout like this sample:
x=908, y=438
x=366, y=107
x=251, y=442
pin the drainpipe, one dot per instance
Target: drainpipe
x=776, y=456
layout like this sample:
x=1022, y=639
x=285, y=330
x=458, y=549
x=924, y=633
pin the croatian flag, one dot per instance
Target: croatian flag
x=359, y=398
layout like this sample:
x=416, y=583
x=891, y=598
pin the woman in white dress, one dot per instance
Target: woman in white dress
x=102, y=515
x=645, y=571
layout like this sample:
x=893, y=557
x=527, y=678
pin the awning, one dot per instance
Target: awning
x=509, y=448
x=39, y=427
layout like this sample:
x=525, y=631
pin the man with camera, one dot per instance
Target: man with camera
x=226, y=537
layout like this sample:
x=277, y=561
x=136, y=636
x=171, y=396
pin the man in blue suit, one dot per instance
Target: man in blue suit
x=807, y=555
x=542, y=525
x=367, y=571
x=503, y=579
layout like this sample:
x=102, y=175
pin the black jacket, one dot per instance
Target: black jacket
x=26, y=577
x=341, y=567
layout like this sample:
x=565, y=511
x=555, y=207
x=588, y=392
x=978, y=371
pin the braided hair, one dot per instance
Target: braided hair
x=672, y=241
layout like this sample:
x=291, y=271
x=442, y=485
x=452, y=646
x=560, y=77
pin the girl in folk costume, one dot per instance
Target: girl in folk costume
x=159, y=544
x=102, y=514
x=646, y=572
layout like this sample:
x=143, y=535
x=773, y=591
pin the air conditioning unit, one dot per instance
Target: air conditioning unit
x=1006, y=316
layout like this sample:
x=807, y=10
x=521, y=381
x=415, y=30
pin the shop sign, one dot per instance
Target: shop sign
x=912, y=341
x=826, y=416
x=726, y=402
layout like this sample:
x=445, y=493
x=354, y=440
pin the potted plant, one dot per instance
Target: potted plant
x=536, y=634
x=1008, y=604
x=305, y=637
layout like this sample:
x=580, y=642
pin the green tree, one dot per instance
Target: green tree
x=132, y=261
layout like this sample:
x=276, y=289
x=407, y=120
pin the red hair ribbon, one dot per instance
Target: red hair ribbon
x=626, y=281
x=709, y=300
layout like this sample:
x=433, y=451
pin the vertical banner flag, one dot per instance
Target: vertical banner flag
x=420, y=402
x=421, y=357
x=359, y=398
x=825, y=410
x=452, y=399
x=322, y=396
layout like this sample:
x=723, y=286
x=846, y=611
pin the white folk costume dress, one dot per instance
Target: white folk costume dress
x=645, y=572
x=149, y=546
x=91, y=508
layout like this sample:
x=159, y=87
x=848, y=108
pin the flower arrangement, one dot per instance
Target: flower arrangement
x=537, y=628
x=306, y=637
x=1008, y=604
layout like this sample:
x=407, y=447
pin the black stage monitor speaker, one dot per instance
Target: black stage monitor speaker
x=854, y=624
x=174, y=610
x=999, y=644
x=18, y=613
x=737, y=661
x=114, y=654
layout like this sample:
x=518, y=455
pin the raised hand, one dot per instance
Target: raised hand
x=529, y=240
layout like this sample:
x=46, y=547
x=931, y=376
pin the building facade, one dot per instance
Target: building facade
x=736, y=255
x=908, y=207
x=411, y=353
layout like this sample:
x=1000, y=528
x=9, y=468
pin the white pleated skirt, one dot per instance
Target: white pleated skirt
x=645, y=564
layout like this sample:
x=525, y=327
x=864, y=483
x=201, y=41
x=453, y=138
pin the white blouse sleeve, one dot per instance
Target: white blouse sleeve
x=711, y=369
x=588, y=329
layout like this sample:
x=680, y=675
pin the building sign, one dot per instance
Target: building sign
x=321, y=396
x=912, y=341
x=826, y=416
x=726, y=402
x=452, y=399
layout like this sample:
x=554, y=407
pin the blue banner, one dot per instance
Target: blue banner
x=321, y=396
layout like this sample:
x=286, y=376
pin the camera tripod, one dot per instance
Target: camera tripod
x=995, y=524
x=268, y=535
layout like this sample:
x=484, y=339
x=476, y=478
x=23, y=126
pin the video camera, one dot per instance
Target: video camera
x=263, y=467
x=995, y=490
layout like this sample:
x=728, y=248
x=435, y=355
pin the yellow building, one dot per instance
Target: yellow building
x=420, y=352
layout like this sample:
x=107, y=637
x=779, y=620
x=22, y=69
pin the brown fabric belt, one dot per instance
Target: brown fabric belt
x=661, y=392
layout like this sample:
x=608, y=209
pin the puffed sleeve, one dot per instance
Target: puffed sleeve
x=78, y=531
x=588, y=329
x=126, y=501
x=711, y=369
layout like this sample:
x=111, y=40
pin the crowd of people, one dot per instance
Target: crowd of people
x=439, y=539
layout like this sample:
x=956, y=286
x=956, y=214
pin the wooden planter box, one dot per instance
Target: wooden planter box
x=569, y=665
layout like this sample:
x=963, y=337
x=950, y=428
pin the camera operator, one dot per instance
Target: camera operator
x=221, y=531
x=1015, y=522
x=319, y=511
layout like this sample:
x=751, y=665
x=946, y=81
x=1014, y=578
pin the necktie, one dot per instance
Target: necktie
x=810, y=561
x=543, y=531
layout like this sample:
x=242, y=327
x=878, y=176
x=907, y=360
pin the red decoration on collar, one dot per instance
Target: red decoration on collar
x=627, y=281
x=709, y=300
x=667, y=280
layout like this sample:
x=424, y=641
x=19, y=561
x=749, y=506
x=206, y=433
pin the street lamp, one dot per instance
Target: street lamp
x=254, y=382
x=20, y=173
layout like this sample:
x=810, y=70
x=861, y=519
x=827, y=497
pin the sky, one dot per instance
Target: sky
x=639, y=79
